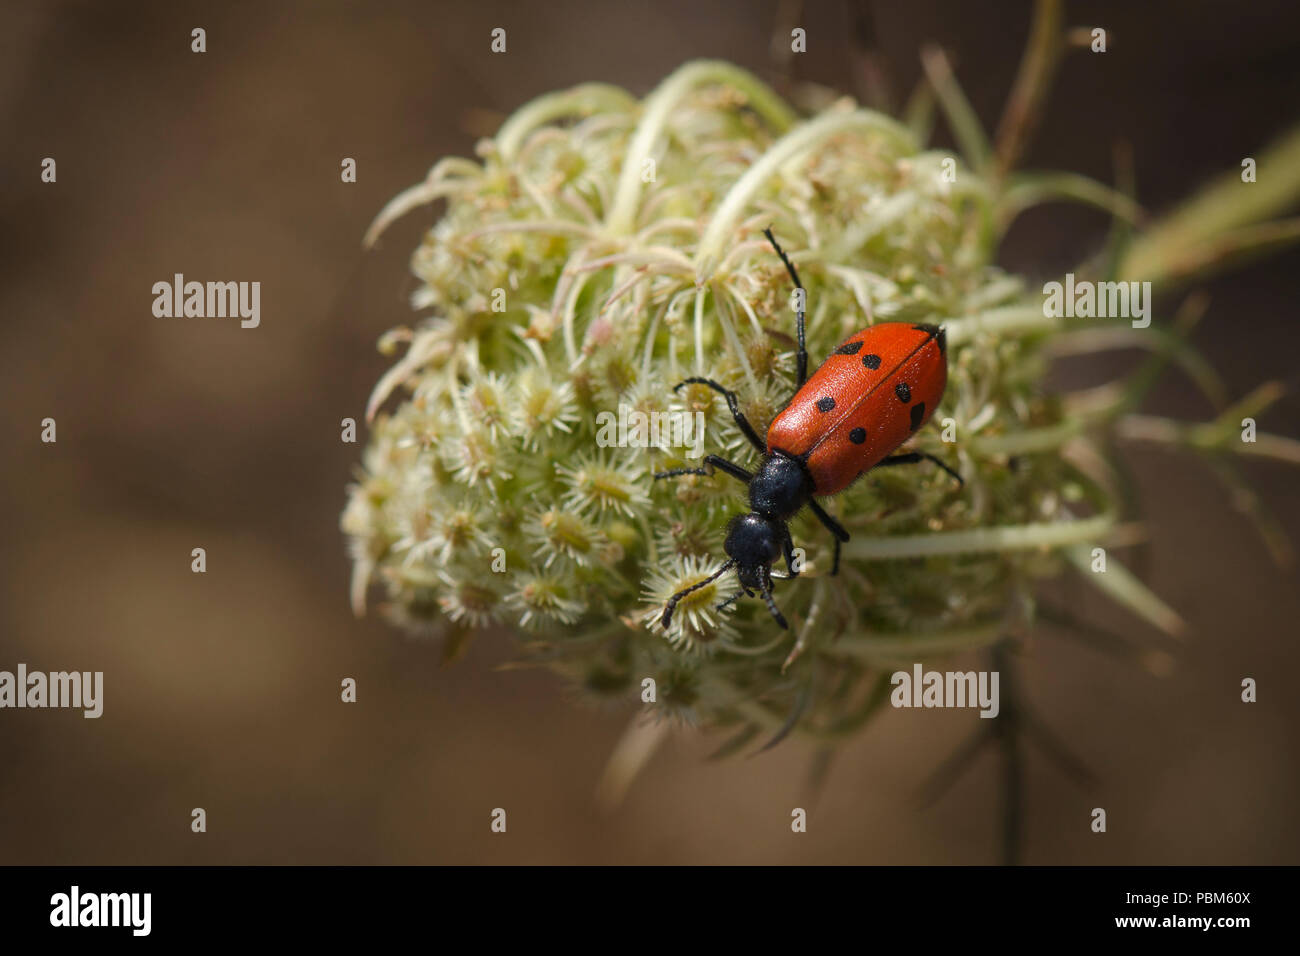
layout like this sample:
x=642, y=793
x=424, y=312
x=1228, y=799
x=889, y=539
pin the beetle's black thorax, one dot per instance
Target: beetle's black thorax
x=781, y=487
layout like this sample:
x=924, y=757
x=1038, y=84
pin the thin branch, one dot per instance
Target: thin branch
x=1025, y=104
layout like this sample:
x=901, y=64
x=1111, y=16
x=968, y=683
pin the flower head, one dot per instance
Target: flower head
x=602, y=250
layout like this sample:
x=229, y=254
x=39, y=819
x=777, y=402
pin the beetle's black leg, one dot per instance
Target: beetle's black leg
x=741, y=421
x=788, y=546
x=710, y=462
x=835, y=528
x=733, y=599
x=802, y=355
x=766, y=582
x=913, y=457
x=672, y=601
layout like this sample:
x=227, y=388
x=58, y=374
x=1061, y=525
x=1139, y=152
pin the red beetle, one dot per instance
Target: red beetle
x=866, y=400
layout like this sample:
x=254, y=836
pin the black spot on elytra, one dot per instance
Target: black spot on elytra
x=903, y=392
x=825, y=403
x=849, y=348
x=871, y=361
x=918, y=413
x=858, y=436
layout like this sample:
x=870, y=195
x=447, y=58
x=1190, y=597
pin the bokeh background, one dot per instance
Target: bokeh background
x=222, y=689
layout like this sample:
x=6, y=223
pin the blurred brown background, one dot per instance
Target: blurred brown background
x=222, y=690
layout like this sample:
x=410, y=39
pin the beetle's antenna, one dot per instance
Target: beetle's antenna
x=766, y=583
x=801, y=356
x=672, y=601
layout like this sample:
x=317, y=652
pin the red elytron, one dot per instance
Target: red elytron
x=868, y=398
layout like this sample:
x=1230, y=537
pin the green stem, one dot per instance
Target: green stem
x=1033, y=81
x=1225, y=206
x=963, y=122
x=1005, y=538
x=1125, y=589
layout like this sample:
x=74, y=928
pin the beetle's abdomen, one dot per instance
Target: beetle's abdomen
x=868, y=398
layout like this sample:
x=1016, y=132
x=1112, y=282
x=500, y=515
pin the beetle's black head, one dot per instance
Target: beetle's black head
x=753, y=542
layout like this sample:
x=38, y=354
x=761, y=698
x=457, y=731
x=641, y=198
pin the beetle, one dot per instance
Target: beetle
x=870, y=396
